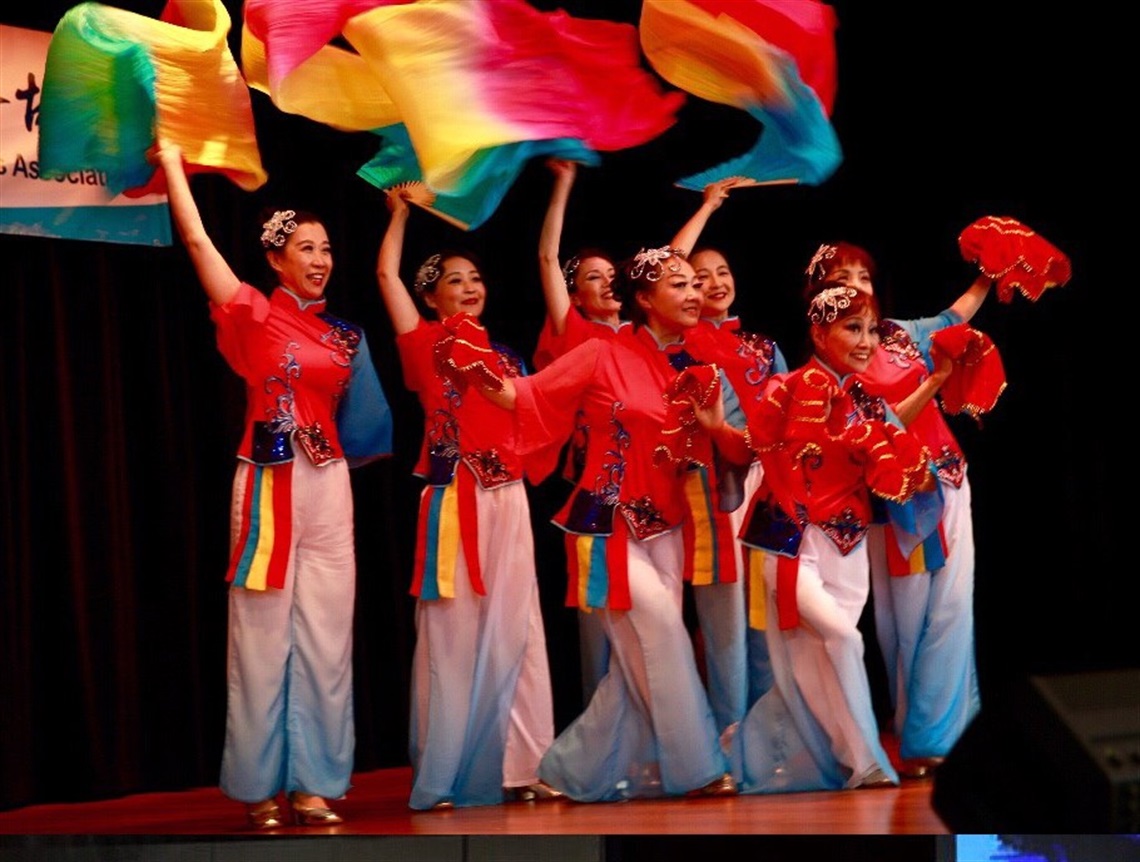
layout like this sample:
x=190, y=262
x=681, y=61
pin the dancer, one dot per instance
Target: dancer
x=648, y=730
x=923, y=600
x=313, y=402
x=580, y=304
x=827, y=446
x=730, y=611
x=482, y=712
x=580, y=301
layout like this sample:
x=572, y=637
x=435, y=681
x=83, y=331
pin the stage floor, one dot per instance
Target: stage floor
x=377, y=805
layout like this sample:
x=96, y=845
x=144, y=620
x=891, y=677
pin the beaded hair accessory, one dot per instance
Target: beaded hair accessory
x=278, y=228
x=824, y=252
x=570, y=270
x=826, y=305
x=654, y=257
x=427, y=274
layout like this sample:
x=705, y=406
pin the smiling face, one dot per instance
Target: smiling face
x=672, y=304
x=459, y=288
x=848, y=343
x=304, y=263
x=714, y=277
x=593, y=289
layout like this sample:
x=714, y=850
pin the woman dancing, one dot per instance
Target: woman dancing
x=648, y=730
x=826, y=447
x=923, y=597
x=313, y=402
x=482, y=712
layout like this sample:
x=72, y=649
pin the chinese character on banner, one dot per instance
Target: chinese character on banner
x=76, y=205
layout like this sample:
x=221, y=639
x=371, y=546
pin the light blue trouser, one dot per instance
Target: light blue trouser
x=925, y=626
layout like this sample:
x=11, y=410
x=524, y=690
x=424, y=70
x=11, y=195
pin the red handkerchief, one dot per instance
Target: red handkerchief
x=978, y=378
x=896, y=461
x=1014, y=256
x=465, y=355
x=681, y=438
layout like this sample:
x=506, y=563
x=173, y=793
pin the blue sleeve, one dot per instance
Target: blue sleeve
x=921, y=328
x=364, y=422
x=733, y=412
x=892, y=416
x=779, y=363
x=917, y=518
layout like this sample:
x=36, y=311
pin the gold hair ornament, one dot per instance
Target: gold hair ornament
x=427, y=274
x=826, y=305
x=278, y=228
x=654, y=258
x=824, y=252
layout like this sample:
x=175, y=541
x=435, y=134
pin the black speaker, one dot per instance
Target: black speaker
x=1049, y=754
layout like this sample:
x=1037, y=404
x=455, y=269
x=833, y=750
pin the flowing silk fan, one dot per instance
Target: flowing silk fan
x=115, y=82
x=489, y=174
x=1015, y=256
x=805, y=29
x=462, y=92
x=718, y=51
x=286, y=54
x=290, y=63
x=740, y=182
x=293, y=39
x=415, y=192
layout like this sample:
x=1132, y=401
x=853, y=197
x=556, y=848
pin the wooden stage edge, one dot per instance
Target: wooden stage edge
x=377, y=805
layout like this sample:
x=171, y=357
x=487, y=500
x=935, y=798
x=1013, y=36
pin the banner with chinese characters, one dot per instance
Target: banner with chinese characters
x=76, y=205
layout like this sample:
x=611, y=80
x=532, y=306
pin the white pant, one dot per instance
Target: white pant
x=482, y=705
x=825, y=650
x=289, y=720
x=648, y=730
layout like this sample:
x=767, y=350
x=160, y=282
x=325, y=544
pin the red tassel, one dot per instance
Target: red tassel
x=282, y=524
x=246, y=511
x=787, y=573
x=571, y=543
x=421, y=542
x=617, y=561
x=469, y=528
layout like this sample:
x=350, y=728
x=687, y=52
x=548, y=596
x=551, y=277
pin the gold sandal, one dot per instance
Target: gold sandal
x=723, y=786
x=264, y=815
x=540, y=791
x=307, y=814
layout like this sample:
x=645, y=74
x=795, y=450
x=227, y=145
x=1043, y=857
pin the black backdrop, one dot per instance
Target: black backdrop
x=119, y=418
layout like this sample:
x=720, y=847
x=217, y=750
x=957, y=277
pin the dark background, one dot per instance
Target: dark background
x=118, y=418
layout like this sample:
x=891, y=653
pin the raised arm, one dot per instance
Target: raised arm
x=715, y=194
x=554, y=287
x=218, y=280
x=401, y=307
x=967, y=305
